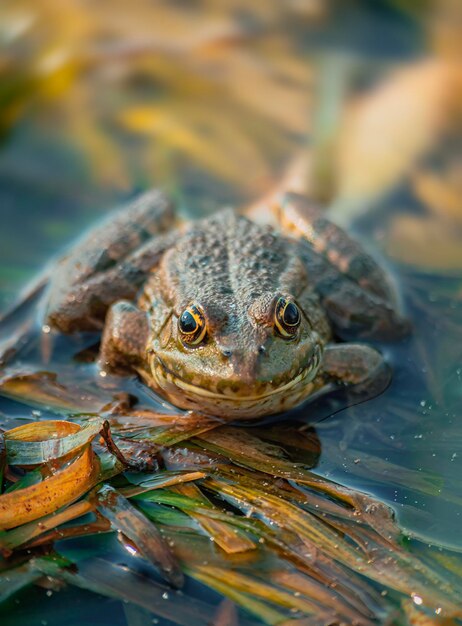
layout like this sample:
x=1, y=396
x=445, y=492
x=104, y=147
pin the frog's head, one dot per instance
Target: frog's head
x=235, y=327
x=233, y=360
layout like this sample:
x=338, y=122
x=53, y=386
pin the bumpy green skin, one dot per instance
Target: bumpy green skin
x=134, y=280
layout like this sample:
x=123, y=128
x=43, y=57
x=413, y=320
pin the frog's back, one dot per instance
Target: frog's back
x=231, y=261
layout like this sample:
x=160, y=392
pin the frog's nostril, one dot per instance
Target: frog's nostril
x=227, y=353
x=262, y=350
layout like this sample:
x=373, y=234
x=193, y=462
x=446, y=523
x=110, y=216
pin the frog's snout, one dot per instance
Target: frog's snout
x=248, y=368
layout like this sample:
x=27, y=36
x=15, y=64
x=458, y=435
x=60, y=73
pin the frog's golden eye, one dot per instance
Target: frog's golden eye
x=287, y=318
x=192, y=326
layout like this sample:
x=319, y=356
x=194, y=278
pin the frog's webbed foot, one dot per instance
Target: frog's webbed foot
x=124, y=339
x=358, y=367
x=109, y=264
x=354, y=289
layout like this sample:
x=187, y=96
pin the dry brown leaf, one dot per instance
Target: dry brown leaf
x=64, y=486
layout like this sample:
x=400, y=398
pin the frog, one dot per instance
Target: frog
x=228, y=315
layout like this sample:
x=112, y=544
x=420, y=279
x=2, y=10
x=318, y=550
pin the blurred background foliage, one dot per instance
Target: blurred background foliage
x=221, y=102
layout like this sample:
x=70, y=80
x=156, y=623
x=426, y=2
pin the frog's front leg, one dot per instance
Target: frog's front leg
x=110, y=264
x=356, y=366
x=125, y=336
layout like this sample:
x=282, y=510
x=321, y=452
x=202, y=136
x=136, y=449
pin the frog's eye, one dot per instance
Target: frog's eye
x=287, y=318
x=192, y=326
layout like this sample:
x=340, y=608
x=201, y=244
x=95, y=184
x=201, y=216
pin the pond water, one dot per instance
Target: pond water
x=403, y=447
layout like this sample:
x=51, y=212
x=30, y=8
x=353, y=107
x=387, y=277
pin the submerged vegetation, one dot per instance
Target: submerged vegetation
x=305, y=521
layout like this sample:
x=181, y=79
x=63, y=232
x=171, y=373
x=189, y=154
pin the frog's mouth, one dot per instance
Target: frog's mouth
x=164, y=376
